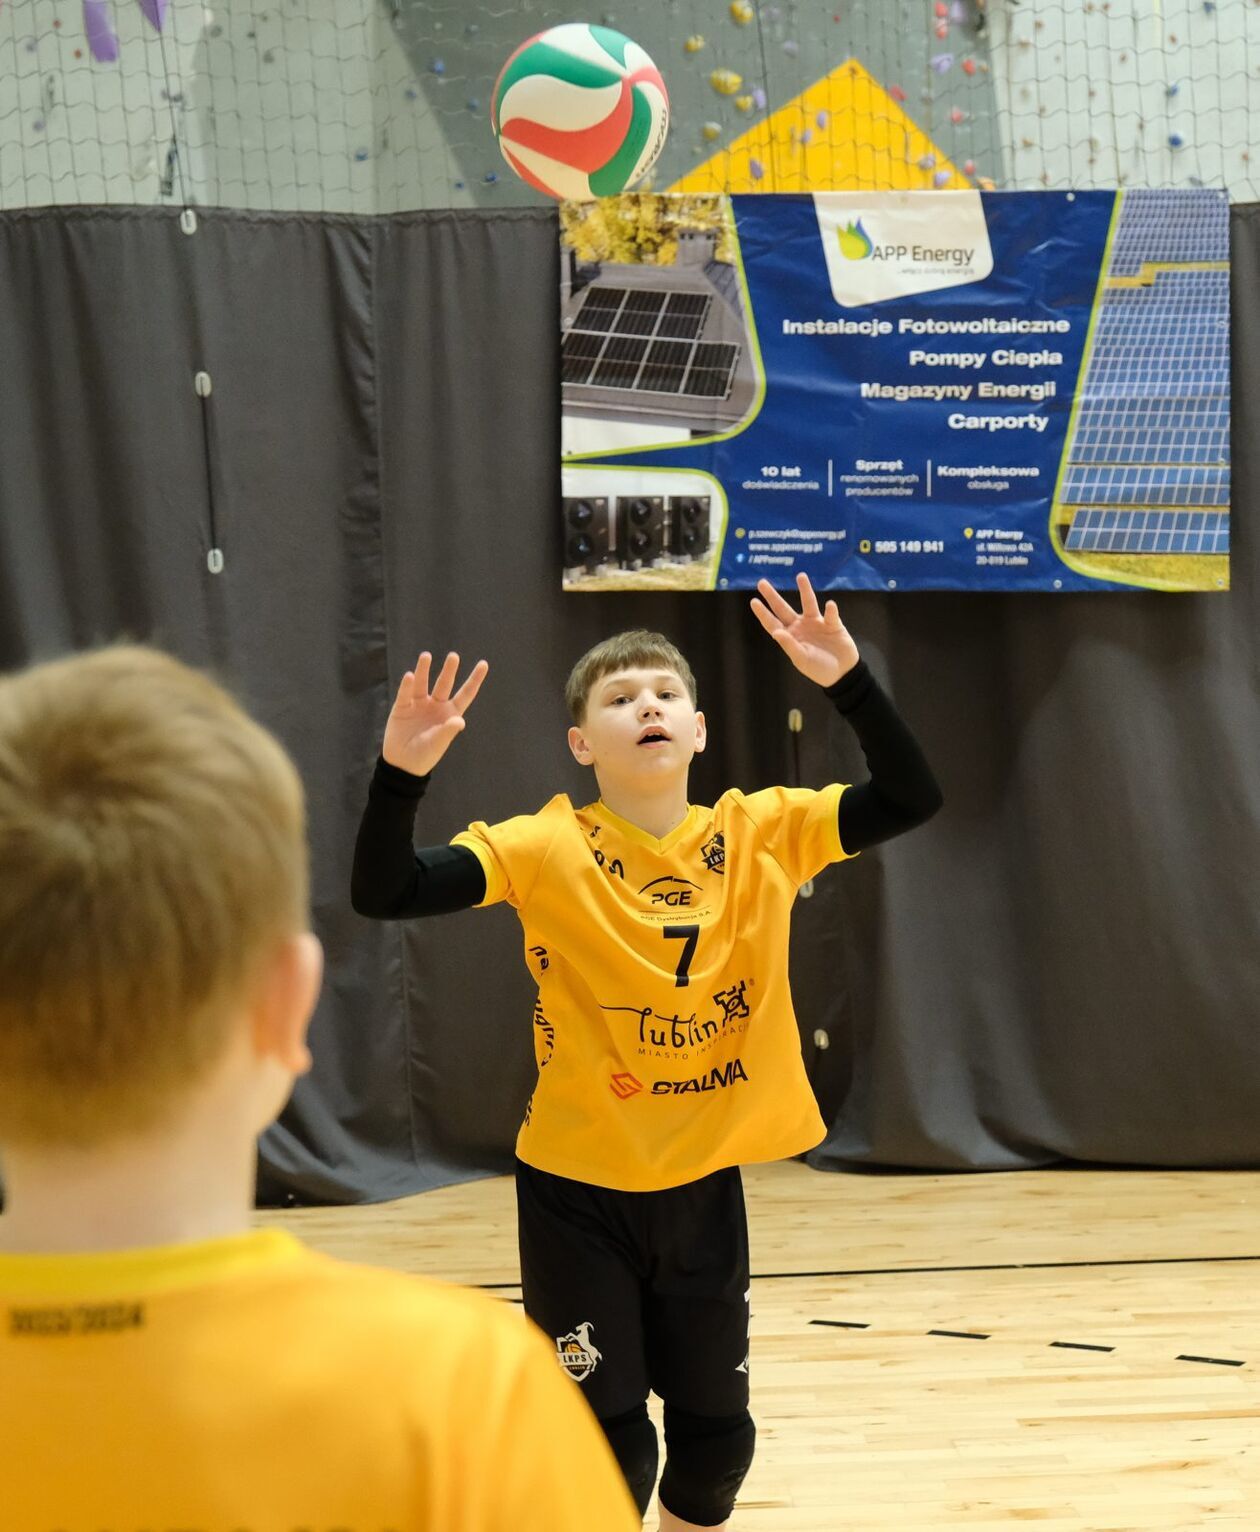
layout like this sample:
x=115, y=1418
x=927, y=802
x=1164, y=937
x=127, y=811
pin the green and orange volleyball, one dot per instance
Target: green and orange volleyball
x=580, y=111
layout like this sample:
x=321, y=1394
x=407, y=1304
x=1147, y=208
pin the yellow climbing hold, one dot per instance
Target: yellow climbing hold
x=712, y=131
x=744, y=103
x=741, y=12
x=725, y=81
x=694, y=43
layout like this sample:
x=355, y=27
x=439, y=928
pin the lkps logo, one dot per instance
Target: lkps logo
x=894, y=244
x=576, y=1352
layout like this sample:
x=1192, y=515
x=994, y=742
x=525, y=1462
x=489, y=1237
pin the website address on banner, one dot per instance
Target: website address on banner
x=781, y=546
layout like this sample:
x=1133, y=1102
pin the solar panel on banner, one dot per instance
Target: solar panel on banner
x=646, y=341
x=1148, y=531
x=1151, y=429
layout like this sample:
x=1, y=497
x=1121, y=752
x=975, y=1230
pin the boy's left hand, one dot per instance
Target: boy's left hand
x=816, y=642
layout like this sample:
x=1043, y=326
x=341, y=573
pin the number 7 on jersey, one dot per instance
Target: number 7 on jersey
x=688, y=935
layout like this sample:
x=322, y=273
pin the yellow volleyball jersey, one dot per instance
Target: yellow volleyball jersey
x=666, y=1042
x=248, y=1384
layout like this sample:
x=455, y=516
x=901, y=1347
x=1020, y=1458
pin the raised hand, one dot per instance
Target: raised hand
x=816, y=642
x=422, y=723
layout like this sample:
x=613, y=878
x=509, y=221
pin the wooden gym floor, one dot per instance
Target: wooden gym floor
x=1072, y=1350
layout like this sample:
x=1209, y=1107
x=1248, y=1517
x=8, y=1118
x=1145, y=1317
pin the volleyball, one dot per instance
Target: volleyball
x=580, y=111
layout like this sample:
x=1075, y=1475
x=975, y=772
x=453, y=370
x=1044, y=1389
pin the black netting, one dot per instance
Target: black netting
x=356, y=107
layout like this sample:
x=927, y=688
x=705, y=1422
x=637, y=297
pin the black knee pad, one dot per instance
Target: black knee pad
x=632, y=1437
x=706, y=1460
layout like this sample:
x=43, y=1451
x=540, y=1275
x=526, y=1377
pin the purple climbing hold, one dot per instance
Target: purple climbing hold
x=756, y=169
x=941, y=178
x=437, y=67
x=791, y=47
x=97, y=23
x=759, y=98
x=942, y=63
x=154, y=12
x=927, y=162
x=821, y=119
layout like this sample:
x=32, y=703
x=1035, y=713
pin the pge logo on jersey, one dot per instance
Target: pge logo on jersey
x=671, y=891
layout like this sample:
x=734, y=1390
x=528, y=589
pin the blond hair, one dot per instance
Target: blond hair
x=153, y=847
x=638, y=648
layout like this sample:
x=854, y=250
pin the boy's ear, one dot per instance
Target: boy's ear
x=702, y=733
x=288, y=988
x=582, y=753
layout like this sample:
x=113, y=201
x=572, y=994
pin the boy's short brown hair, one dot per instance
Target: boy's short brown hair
x=153, y=847
x=637, y=648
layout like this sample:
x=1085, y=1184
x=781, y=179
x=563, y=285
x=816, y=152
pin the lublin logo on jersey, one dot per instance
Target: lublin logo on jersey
x=576, y=1354
x=663, y=1035
x=895, y=244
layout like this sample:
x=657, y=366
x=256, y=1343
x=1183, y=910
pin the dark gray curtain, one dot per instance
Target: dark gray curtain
x=1063, y=965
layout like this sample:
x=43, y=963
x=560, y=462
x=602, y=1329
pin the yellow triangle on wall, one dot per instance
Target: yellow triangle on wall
x=862, y=142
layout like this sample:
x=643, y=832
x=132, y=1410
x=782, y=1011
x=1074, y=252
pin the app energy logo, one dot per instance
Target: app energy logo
x=855, y=242
x=886, y=245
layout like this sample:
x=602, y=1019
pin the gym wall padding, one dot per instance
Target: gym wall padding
x=1062, y=966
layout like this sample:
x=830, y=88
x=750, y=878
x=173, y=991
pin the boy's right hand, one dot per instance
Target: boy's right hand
x=422, y=723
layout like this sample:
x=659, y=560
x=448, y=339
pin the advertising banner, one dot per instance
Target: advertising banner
x=956, y=390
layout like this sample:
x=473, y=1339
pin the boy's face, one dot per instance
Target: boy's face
x=641, y=728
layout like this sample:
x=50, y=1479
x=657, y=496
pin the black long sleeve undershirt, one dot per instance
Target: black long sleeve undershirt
x=394, y=881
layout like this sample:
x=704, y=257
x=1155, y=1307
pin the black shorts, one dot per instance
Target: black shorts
x=640, y=1291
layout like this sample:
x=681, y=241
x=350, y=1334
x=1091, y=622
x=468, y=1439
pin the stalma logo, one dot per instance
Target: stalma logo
x=576, y=1354
x=716, y=1079
x=623, y=1086
x=855, y=242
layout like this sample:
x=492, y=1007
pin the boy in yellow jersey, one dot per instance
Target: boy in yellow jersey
x=162, y=1367
x=667, y=1048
